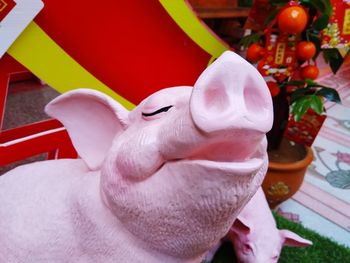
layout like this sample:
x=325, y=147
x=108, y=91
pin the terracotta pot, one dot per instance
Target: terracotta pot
x=283, y=179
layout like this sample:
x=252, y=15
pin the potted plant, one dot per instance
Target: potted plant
x=286, y=52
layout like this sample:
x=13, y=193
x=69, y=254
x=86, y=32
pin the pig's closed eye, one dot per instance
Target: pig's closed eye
x=164, y=109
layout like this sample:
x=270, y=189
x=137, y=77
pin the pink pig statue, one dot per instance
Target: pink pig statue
x=162, y=183
x=255, y=236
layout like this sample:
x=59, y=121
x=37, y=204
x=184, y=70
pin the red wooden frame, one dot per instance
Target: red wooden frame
x=29, y=140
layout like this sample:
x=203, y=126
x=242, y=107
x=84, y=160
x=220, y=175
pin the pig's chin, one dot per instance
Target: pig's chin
x=137, y=162
x=134, y=170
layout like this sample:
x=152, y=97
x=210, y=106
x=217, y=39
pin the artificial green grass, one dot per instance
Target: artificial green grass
x=323, y=249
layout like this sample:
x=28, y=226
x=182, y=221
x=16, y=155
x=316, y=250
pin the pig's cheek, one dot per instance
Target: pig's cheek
x=138, y=158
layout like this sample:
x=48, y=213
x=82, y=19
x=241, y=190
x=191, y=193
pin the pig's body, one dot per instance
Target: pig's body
x=162, y=183
x=60, y=217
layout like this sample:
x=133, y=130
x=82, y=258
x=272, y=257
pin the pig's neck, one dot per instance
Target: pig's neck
x=100, y=233
x=122, y=242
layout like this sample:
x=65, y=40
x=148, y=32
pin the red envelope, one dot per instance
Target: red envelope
x=306, y=129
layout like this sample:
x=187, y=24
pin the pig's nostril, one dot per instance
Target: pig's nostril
x=254, y=99
x=275, y=258
x=258, y=105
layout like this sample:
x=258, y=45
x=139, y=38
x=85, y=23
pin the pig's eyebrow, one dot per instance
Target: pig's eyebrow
x=164, y=109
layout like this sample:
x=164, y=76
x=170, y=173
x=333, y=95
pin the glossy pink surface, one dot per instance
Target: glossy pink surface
x=162, y=183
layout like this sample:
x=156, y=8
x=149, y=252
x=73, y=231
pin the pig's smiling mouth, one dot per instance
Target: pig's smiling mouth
x=235, y=167
x=255, y=162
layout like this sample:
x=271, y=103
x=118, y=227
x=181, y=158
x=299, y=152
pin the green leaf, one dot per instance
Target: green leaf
x=316, y=104
x=311, y=83
x=323, y=6
x=279, y=2
x=300, y=107
x=317, y=4
x=328, y=7
x=294, y=83
x=330, y=94
x=271, y=16
x=298, y=93
x=327, y=53
x=246, y=41
x=314, y=38
x=334, y=58
x=321, y=22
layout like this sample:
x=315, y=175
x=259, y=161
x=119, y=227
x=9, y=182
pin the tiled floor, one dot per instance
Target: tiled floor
x=323, y=202
x=25, y=103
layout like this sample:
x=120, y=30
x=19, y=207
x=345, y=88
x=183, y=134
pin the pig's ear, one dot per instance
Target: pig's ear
x=92, y=120
x=231, y=91
x=240, y=226
x=293, y=240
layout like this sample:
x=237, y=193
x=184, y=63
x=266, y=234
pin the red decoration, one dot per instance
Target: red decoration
x=337, y=33
x=258, y=15
x=5, y=7
x=306, y=129
x=273, y=88
x=134, y=47
x=280, y=58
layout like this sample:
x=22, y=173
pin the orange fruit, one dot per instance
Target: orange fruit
x=306, y=50
x=255, y=52
x=309, y=72
x=273, y=88
x=292, y=20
